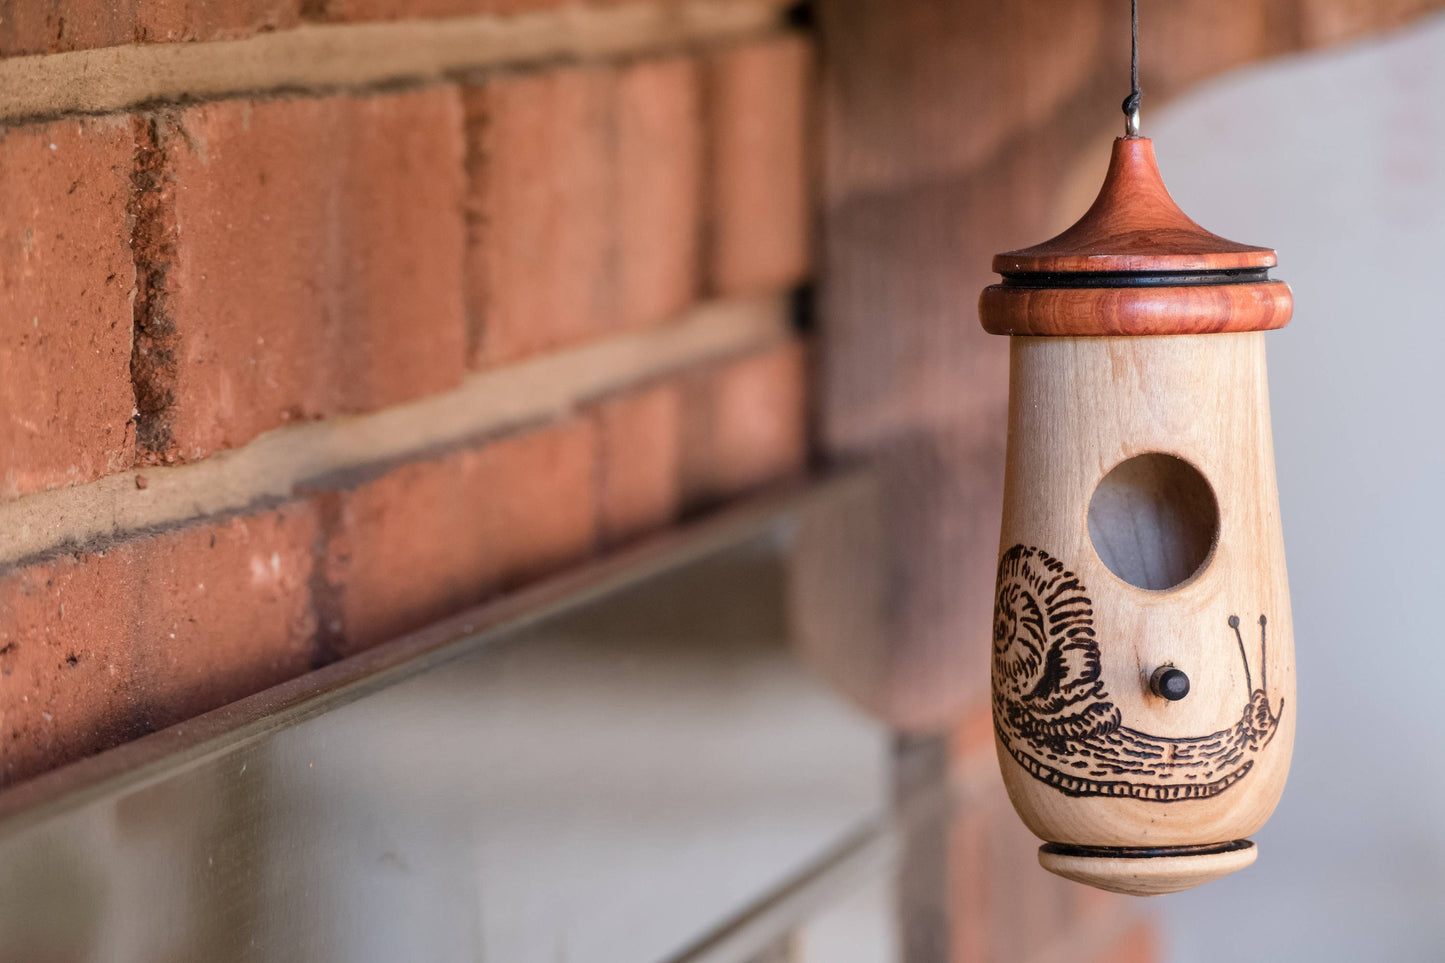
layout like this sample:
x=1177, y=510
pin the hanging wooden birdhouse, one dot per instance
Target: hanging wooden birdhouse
x=1142, y=660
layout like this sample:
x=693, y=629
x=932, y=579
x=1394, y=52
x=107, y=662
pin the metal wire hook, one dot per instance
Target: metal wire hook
x=1131, y=102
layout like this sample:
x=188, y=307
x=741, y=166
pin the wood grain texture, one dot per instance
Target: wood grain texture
x=1090, y=755
x=1092, y=312
x=949, y=128
x=1134, y=225
x=1148, y=877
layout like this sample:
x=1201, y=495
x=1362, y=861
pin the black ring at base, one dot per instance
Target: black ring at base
x=1132, y=279
x=1145, y=852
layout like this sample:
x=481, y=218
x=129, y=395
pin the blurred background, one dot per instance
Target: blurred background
x=520, y=479
x=1338, y=159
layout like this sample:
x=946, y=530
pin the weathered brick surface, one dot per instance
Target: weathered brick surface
x=744, y=424
x=659, y=165
x=972, y=734
x=102, y=647
x=430, y=538
x=48, y=26
x=54, y=26
x=224, y=611
x=163, y=21
x=638, y=465
x=66, y=277
x=307, y=259
x=212, y=271
x=542, y=208
x=586, y=204
x=66, y=659
x=758, y=215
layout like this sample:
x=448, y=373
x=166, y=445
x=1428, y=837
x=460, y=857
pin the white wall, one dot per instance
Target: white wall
x=1338, y=161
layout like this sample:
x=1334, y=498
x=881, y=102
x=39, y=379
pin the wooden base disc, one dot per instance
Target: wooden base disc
x=1146, y=872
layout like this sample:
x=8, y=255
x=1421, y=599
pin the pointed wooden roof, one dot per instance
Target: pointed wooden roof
x=1135, y=264
x=1134, y=225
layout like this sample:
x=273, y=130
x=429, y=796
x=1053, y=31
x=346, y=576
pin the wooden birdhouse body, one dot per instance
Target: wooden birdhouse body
x=1141, y=542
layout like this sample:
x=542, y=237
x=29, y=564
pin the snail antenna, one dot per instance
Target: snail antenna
x=1263, y=657
x=1234, y=624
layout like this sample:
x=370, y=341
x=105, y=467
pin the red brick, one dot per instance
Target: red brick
x=53, y=26
x=50, y=26
x=313, y=252
x=659, y=164
x=404, y=275
x=759, y=208
x=972, y=734
x=235, y=596
x=542, y=212
x=638, y=465
x=521, y=6
x=744, y=424
x=102, y=647
x=431, y=538
x=66, y=277
x=1138, y=944
x=163, y=21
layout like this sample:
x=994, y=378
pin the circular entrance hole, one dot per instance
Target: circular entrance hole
x=1153, y=521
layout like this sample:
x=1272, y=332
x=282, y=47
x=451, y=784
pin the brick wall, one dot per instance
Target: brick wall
x=284, y=374
x=322, y=319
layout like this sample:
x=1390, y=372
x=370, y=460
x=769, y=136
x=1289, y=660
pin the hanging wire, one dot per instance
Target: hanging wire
x=1131, y=102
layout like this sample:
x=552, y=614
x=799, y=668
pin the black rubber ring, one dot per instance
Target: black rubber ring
x=1132, y=279
x=1144, y=852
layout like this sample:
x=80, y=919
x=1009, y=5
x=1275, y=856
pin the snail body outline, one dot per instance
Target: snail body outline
x=1053, y=713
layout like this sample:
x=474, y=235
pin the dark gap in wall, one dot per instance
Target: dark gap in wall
x=152, y=359
x=475, y=120
x=707, y=179
x=803, y=318
x=801, y=15
x=803, y=308
x=315, y=9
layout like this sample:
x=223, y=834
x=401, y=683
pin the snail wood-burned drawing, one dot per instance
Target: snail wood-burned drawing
x=1143, y=657
x=1053, y=713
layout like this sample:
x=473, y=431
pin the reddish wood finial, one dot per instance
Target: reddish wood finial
x=1135, y=264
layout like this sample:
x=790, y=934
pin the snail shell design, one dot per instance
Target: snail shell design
x=1052, y=713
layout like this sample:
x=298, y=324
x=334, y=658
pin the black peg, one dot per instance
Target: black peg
x=1169, y=683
